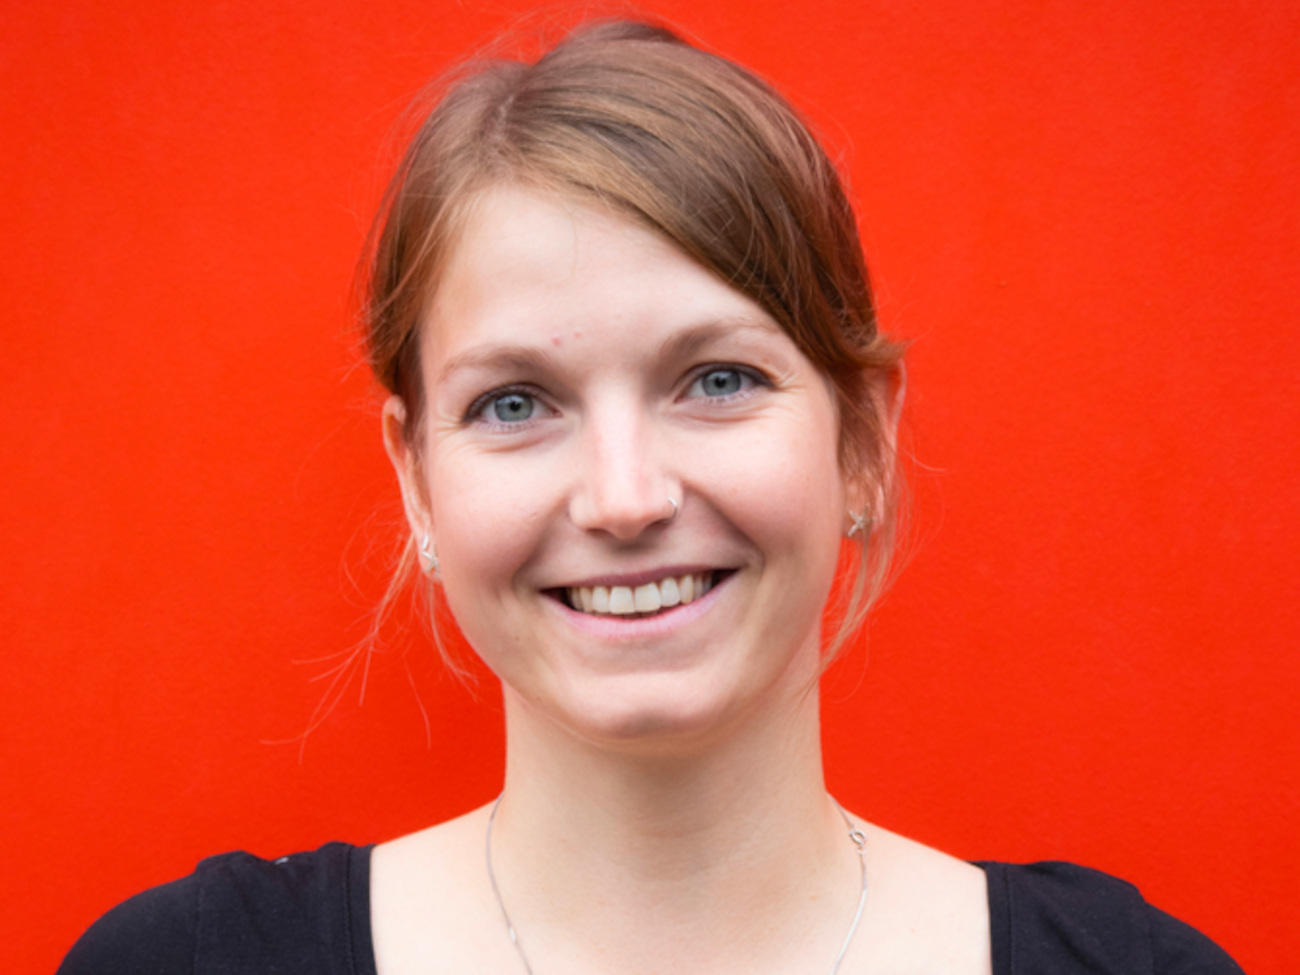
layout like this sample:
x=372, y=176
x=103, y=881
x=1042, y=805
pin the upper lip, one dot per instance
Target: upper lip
x=639, y=578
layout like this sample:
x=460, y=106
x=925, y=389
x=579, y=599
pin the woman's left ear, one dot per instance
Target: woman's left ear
x=871, y=483
x=410, y=478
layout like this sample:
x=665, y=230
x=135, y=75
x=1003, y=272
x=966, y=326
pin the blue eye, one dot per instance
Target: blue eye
x=513, y=407
x=722, y=382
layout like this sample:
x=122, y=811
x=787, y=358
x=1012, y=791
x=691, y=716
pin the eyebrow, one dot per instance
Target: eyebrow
x=523, y=358
x=690, y=340
x=515, y=357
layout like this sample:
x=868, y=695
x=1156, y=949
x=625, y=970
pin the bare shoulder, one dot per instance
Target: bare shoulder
x=927, y=911
x=430, y=906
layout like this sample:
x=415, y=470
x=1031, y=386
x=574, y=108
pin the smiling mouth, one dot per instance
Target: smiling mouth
x=638, y=602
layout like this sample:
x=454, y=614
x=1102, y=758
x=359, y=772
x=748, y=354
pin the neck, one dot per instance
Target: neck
x=680, y=853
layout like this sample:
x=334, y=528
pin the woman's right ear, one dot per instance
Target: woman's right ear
x=406, y=464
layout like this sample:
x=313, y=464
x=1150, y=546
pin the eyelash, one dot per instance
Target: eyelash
x=753, y=376
x=477, y=412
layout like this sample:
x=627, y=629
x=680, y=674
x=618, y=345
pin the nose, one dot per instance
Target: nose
x=622, y=487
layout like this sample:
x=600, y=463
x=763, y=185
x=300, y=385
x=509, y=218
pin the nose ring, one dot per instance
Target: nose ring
x=675, y=509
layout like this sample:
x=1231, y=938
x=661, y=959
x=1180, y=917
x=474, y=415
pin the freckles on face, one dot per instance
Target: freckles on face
x=605, y=414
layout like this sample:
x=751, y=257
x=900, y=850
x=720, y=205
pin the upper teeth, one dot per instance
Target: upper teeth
x=649, y=598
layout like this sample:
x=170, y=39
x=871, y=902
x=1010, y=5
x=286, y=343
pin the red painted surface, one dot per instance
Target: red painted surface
x=1087, y=219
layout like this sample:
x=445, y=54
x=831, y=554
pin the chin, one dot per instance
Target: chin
x=656, y=716
x=653, y=727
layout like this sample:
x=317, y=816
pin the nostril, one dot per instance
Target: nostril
x=624, y=517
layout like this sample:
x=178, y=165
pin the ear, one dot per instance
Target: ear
x=869, y=486
x=410, y=472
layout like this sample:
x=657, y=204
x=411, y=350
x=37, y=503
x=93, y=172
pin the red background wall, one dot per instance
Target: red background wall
x=1087, y=217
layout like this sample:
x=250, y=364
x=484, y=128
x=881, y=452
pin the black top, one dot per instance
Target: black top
x=309, y=914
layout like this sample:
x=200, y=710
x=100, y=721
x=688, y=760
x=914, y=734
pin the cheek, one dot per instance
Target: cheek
x=784, y=487
x=480, y=550
x=487, y=524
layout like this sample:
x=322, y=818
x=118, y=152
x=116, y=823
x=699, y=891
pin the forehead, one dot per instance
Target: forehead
x=526, y=262
x=517, y=237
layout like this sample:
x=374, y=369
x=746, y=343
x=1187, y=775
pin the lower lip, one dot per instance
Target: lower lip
x=609, y=627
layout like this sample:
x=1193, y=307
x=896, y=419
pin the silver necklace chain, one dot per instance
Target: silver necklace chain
x=856, y=836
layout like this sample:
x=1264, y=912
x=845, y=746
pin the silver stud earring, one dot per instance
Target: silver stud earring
x=429, y=555
x=861, y=524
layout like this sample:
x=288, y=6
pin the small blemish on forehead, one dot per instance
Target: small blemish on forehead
x=556, y=339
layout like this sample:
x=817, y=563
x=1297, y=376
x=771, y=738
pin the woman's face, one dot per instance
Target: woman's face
x=581, y=372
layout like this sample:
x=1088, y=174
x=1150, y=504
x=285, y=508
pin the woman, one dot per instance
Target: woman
x=638, y=402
